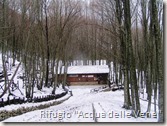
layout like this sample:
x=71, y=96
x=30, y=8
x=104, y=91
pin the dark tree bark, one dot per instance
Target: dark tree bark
x=123, y=54
x=47, y=43
x=159, y=59
x=132, y=63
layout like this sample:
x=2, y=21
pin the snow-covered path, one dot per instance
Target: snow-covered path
x=83, y=106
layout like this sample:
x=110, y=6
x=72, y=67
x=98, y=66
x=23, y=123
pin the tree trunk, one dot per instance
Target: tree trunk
x=132, y=63
x=159, y=59
x=47, y=44
x=56, y=77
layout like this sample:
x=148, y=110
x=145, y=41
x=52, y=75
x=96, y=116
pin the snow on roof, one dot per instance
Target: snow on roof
x=88, y=69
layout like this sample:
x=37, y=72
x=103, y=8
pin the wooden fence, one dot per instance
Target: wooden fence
x=30, y=100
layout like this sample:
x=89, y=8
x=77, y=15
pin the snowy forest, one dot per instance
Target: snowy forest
x=40, y=39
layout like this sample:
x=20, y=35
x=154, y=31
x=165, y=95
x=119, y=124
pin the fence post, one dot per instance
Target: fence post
x=23, y=100
x=8, y=100
x=14, y=100
x=1, y=103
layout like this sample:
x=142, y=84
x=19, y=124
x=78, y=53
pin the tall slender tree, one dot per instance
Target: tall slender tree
x=132, y=63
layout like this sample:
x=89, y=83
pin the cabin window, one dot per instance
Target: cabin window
x=90, y=76
x=83, y=75
x=74, y=75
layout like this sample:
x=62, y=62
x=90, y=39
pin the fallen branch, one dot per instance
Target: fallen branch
x=11, y=80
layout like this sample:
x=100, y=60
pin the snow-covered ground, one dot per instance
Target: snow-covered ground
x=86, y=106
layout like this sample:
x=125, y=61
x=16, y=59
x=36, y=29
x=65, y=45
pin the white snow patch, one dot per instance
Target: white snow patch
x=88, y=69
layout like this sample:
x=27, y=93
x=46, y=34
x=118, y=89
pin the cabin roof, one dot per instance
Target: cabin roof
x=95, y=69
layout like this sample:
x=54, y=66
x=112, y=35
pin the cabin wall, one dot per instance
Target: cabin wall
x=82, y=78
x=83, y=83
x=85, y=79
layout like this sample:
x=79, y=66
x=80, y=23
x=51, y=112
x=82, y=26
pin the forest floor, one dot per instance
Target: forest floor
x=88, y=106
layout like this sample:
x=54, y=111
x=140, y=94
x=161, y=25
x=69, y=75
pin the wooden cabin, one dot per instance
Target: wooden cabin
x=87, y=75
